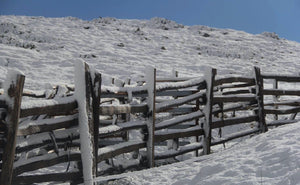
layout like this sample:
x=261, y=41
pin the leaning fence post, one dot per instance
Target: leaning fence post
x=260, y=100
x=151, y=88
x=96, y=94
x=210, y=78
x=83, y=91
x=13, y=91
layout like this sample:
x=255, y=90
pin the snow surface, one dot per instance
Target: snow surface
x=45, y=49
x=272, y=158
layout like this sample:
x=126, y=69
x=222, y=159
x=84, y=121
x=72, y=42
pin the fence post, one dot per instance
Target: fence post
x=14, y=96
x=260, y=100
x=151, y=87
x=210, y=78
x=173, y=143
x=275, y=97
x=83, y=94
x=96, y=94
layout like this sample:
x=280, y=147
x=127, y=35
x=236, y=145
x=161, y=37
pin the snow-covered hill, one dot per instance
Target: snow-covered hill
x=43, y=48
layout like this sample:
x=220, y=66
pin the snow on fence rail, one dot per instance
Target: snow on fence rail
x=84, y=130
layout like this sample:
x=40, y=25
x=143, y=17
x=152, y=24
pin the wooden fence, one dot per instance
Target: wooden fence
x=181, y=115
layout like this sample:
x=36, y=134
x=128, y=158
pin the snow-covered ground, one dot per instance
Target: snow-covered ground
x=272, y=158
x=44, y=50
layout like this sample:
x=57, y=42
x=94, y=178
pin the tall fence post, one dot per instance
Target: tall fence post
x=14, y=96
x=210, y=78
x=260, y=100
x=151, y=87
x=96, y=94
x=83, y=94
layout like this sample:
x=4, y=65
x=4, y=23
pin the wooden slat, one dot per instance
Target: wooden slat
x=180, y=151
x=114, y=150
x=124, y=127
x=53, y=177
x=226, y=99
x=235, y=136
x=178, y=119
x=160, y=107
x=163, y=136
x=282, y=78
x=234, y=79
x=174, y=93
x=245, y=91
x=34, y=129
x=45, y=162
x=233, y=121
x=52, y=110
x=123, y=109
x=282, y=122
x=287, y=103
x=279, y=92
x=282, y=111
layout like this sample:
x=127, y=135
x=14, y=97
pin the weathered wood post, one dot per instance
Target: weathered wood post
x=173, y=143
x=260, y=100
x=13, y=90
x=275, y=97
x=210, y=78
x=96, y=94
x=151, y=88
x=83, y=94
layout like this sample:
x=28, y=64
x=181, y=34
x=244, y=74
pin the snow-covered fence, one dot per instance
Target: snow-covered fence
x=63, y=127
x=285, y=101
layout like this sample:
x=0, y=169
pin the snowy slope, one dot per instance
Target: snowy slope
x=272, y=158
x=43, y=48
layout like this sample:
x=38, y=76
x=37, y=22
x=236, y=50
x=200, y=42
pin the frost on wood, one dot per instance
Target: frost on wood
x=150, y=83
x=85, y=136
x=10, y=79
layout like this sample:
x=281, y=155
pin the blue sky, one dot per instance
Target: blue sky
x=254, y=16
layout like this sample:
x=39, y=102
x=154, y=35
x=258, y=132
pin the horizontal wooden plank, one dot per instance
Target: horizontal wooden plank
x=287, y=103
x=282, y=111
x=234, y=79
x=121, y=127
x=52, y=177
x=174, y=93
x=33, y=95
x=226, y=99
x=46, y=127
x=181, y=150
x=279, y=92
x=233, y=121
x=123, y=109
x=244, y=91
x=282, y=122
x=160, y=107
x=282, y=78
x=52, y=110
x=43, y=162
x=114, y=150
x=178, y=133
x=235, y=136
x=175, y=79
x=178, y=119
